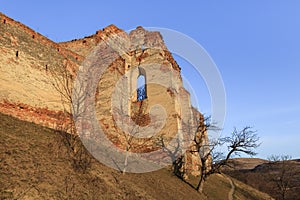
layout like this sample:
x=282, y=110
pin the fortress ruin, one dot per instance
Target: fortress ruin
x=27, y=60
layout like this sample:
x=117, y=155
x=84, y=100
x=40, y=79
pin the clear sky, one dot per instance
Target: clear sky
x=254, y=43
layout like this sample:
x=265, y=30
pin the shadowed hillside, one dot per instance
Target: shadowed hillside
x=269, y=177
x=34, y=165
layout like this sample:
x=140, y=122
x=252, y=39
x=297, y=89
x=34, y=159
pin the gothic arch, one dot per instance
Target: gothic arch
x=141, y=87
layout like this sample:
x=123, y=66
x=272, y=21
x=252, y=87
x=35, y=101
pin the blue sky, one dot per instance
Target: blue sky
x=255, y=45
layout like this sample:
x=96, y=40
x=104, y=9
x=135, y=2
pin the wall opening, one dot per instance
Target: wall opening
x=17, y=54
x=33, y=36
x=141, y=88
x=4, y=21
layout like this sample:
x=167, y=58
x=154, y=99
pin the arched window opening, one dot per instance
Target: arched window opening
x=141, y=88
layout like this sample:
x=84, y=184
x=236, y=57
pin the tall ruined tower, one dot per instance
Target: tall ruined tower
x=140, y=102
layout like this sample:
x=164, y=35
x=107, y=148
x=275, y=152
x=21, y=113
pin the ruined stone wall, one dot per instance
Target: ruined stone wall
x=144, y=60
x=27, y=60
x=149, y=57
x=29, y=33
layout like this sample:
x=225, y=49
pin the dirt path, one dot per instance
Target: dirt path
x=231, y=192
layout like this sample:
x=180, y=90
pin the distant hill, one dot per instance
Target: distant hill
x=244, y=163
x=34, y=165
x=264, y=176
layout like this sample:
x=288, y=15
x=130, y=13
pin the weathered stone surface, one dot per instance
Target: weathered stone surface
x=27, y=59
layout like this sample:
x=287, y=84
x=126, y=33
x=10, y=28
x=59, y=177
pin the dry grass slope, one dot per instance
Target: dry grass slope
x=259, y=174
x=34, y=165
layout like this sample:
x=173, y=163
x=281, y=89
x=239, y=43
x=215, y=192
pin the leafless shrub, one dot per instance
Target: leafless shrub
x=63, y=82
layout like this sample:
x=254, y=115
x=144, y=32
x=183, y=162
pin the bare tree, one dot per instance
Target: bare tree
x=240, y=141
x=129, y=143
x=174, y=153
x=129, y=137
x=205, y=148
x=283, y=174
x=131, y=125
x=243, y=141
x=72, y=98
x=177, y=152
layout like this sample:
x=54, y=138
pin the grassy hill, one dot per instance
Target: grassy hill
x=34, y=165
x=266, y=176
